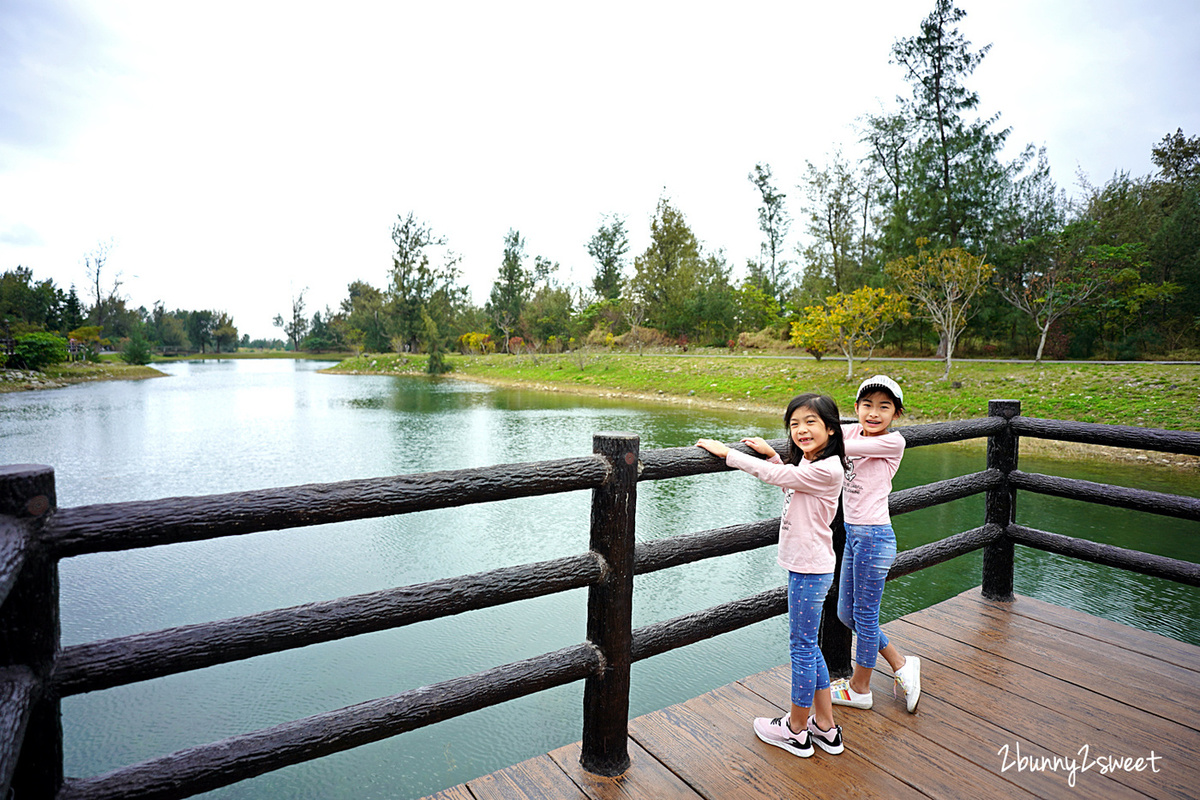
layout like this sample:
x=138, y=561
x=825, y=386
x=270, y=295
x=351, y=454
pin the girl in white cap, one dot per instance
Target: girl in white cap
x=874, y=455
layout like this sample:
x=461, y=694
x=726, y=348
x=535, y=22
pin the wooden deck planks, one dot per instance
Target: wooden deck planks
x=1144, y=682
x=722, y=757
x=892, y=744
x=1028, y=674
x=646, y=778
x=536, y=779
x=998, y=702
x=1113, y=633
x=988, y=685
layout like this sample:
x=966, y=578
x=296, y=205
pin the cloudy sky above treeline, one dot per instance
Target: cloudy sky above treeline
x=235, y=153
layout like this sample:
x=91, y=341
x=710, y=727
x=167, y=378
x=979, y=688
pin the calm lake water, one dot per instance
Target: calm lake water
x=221, y=426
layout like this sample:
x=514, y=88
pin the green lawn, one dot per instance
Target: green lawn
x=1151, y=395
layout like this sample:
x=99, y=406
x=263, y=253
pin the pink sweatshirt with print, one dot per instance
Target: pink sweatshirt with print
x=810, y=500
x=873, y=463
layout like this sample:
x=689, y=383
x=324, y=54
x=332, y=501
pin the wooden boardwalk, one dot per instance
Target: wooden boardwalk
x=995, y=677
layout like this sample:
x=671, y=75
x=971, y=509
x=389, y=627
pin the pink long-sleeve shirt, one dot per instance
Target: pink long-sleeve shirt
x=810, y=500
x=873, y=463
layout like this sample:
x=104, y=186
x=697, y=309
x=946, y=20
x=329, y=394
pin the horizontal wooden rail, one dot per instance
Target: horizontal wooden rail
x=959, y=544
x=19, y=689
x=674, y=551
x=1169, y=505
x=121, y=526
x=1185, y=442
x=211, y=766
x=932, y=494
x=681, y=462
x=127, y=659
x=1108, y=555
x=659, y=637
x=952, y=431
x=142, y=656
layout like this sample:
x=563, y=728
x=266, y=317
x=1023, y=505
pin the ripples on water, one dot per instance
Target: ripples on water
x=235, y=425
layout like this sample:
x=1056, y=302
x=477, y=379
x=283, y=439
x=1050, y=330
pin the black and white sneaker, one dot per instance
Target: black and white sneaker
x=778, y=731
x=830, y=741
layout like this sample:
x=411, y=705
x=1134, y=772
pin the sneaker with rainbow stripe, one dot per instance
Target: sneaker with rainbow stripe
x=843, y=695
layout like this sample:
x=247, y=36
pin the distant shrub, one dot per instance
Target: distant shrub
x=136, y=350
x=643, y=337
x=766, y=339
x=38, y=351
x=599, y=337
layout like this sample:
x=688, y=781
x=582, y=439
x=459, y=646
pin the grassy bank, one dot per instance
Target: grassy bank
x=1150, y=395
x=59, y=375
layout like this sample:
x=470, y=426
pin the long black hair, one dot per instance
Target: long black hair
x=827, y=410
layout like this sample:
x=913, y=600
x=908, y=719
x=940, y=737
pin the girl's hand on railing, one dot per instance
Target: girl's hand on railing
x=713, y=446
x=759, y=445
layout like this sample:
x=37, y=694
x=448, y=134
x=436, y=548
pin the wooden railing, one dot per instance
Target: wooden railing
x=35, y=672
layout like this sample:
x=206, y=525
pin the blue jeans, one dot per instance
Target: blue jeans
x=806, y=596
x=870, y=551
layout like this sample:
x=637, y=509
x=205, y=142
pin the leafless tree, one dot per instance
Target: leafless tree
x=94, y=262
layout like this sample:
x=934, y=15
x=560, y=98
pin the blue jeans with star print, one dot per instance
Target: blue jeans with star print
x=870, y=551
x=806, y=596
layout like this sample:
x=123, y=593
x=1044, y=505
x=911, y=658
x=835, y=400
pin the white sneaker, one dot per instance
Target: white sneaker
x=908, y=678
x=843, y=695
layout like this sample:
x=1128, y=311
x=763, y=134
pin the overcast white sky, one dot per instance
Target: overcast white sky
x=238, y=152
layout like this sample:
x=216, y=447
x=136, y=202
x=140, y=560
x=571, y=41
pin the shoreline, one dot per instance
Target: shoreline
x=24, y=380
x=1041, y=448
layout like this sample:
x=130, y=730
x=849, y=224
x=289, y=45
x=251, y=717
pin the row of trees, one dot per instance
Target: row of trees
x=927, y=236
x=31, y=307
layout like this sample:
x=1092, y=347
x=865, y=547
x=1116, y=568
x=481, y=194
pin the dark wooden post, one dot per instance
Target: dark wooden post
x=835, y=638
x=1000, y=504
x=29, y=626
x=610, y=608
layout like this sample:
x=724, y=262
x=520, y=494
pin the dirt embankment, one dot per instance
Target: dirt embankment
x=1044, y=448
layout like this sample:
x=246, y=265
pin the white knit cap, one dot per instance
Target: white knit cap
x=880, y=381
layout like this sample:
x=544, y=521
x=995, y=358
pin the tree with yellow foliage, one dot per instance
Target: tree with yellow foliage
x=849, y=323
x=944, y=284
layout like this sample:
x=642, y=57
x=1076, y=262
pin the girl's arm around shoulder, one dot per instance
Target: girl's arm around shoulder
x=889, y=445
